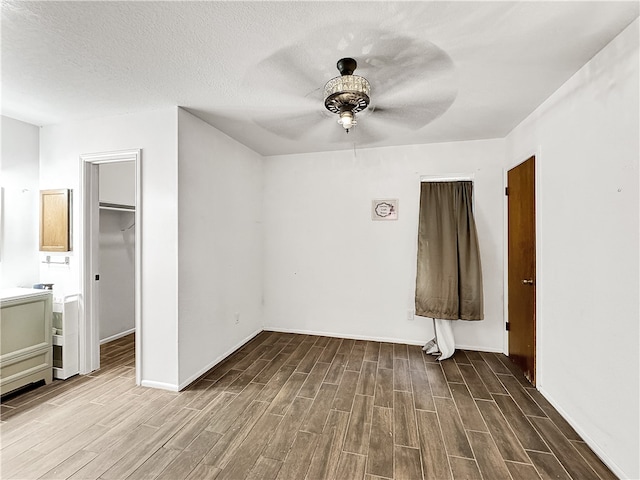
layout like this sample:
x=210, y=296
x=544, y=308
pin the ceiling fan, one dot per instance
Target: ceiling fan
x=347, y=94
x=406, y=84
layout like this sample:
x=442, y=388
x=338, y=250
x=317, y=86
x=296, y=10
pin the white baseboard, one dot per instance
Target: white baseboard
x=160, y=385
x=117, y=336
x=479, y=349
x=219, y=359
x=345, y=335
x=370, y=338
x=587, y=439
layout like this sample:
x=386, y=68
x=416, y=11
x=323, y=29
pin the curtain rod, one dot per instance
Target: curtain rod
x=447, y=178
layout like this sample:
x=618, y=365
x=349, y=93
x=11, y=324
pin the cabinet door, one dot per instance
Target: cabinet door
x=54, y=220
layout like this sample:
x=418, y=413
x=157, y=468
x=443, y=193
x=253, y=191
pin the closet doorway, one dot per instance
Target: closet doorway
x=117, y=240
x=111, y=254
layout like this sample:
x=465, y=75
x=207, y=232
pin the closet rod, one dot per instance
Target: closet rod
x=116, y=207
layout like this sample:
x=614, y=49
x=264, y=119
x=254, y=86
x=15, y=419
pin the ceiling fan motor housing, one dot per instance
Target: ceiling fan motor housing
x=348, y=91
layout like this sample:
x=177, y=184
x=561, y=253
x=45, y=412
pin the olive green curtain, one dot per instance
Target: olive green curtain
x=449, y=275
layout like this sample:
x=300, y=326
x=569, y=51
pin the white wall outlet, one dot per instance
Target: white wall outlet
x=237, y=317
x=410, y=315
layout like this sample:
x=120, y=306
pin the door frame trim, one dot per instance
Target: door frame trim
x=89, y=341
x=539, y=360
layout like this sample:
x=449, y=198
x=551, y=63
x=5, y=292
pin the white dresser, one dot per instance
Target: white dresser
x=26, y=336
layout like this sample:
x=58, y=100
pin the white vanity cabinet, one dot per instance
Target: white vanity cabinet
x=25, y=340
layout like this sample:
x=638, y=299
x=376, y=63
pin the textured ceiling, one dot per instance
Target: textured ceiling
x=440, y=71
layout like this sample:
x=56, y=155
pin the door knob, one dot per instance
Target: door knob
x=527, y=281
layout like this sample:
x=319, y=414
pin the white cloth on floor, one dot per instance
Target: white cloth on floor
x=431, y=347
x=444, y=336
x=443, y=344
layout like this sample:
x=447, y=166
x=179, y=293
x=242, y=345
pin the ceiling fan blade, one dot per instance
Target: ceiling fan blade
x=413, y=116
x=293, y=126
x=387, y=58
x=286, y=72
x=441, y=88
x=395, y=74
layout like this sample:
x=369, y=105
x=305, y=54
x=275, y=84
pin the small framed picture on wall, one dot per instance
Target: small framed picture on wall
x=384, y=209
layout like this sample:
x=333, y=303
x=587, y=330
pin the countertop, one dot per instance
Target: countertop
x=16, y=293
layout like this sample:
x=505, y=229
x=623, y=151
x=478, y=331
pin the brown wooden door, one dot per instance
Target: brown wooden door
x=522, y=267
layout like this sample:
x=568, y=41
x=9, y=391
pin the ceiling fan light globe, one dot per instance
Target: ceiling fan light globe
x=347, y=119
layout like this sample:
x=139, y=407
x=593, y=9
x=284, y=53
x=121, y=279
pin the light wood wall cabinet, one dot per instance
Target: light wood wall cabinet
x=25, y=344
x=55, y=209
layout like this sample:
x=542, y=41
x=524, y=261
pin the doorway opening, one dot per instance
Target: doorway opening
x=89, y=329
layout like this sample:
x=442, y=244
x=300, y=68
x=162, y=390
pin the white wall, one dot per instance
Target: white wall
x=588, y=272
x=117, y=273
x=330, y=269
x=20, y=210
x=156, y=134
x=220, y=238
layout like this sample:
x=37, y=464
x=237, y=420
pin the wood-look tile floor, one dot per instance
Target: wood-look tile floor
x=288, y=406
